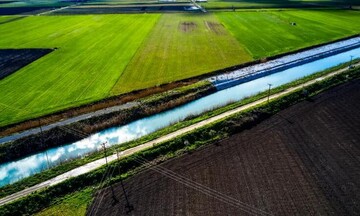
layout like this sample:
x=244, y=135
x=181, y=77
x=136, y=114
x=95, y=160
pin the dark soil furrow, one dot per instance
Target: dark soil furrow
x=301, y=161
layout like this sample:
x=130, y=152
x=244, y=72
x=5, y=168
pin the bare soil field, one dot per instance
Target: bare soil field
x=187, y=26
x=302, y=161
x=217, y=28
x=24, y=10
x=12, y=60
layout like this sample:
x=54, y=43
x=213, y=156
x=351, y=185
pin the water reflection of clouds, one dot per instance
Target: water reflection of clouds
x=56, y=154
x=14, y=171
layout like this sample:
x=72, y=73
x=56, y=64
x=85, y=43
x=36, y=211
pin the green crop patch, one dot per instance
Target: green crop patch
x=268, y=33
x=92, y=53
x=181, y=46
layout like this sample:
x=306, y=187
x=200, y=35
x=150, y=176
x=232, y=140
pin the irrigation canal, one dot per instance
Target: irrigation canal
x=251, y=84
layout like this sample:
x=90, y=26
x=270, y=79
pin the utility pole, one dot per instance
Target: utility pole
x=269, y=92
x=351, y=58
x=42, y=142
x=104, y=147
x=128, y=206
x=107, y=167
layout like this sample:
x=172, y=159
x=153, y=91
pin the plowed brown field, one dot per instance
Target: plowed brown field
x=303, y=161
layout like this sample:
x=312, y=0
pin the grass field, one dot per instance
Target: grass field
x=103, y=55
x=269, y=33
x=92, y=53
x=181, y=46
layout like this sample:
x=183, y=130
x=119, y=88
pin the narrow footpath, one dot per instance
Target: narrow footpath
x=100, y=162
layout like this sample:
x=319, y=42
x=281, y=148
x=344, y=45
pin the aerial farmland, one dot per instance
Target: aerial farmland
x=100, y=56
x=115, y=88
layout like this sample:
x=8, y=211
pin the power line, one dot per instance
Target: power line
x=204, y=189
x=102, y=184
x=268, y=99
x=105, y=177
x=128, y=206
x=42, y=142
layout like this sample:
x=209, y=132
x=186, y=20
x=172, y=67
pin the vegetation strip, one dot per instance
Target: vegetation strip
x=101, y=162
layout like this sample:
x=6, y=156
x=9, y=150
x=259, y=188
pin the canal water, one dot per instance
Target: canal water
x=13, y=171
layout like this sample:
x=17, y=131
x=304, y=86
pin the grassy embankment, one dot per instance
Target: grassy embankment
x=215, y=112
x=95, y=60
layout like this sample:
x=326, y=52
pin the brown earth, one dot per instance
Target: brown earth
x=302, y=161
x=187, y=26
x=12, y=60
x=217, y=28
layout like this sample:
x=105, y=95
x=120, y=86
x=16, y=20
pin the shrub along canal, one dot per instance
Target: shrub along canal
x=13, y=171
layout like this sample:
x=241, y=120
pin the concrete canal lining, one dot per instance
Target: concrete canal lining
x=252, y=72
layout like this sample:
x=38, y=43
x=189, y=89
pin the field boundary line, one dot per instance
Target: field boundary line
x=110, y=93
x=101, y=162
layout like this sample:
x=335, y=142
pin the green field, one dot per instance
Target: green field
x=103, y=55
x=92, y=53
x=181, y=46
x=268, y=33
